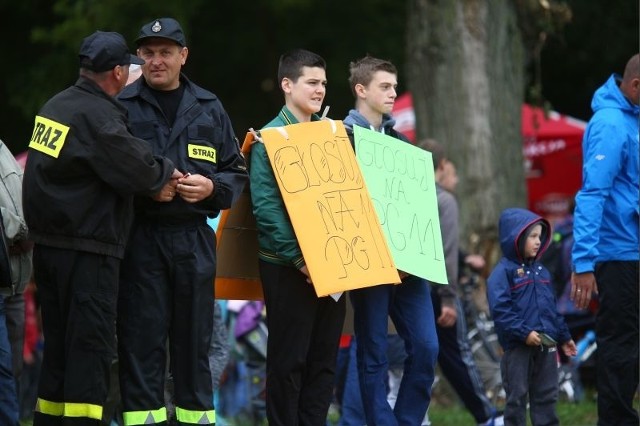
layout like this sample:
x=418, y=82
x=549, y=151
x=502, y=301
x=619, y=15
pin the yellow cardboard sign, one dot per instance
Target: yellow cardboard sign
x=329, y=205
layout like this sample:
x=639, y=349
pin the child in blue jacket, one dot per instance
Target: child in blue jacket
x=522, y=302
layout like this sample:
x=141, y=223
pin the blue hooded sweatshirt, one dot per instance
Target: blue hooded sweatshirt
x=606, y=216
x=355, y=118
x=520, y=291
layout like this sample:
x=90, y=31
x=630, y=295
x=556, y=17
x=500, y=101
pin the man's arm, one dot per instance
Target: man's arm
x=448, y=213
x=231, y=175
x=602, y=150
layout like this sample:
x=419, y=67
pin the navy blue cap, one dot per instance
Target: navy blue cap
x=103, y=51
x=167, y=28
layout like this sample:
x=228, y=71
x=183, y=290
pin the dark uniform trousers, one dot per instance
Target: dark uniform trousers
x=166, y=290
x=78, y=293
x=304, y=332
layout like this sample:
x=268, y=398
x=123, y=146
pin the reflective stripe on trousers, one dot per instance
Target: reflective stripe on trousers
x=147, y=417
x=196, y=417
x=68, y=409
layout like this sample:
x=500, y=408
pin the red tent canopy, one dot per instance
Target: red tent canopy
x=552, y=145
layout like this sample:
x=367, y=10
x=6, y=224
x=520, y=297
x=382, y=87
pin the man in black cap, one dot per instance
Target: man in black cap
x=166, y=287
x=82, y=171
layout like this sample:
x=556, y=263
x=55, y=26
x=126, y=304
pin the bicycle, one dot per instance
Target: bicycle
x=482, y=338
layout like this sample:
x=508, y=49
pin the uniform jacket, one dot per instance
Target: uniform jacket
x=276, y=239
x=606, y=215
x=82, y=200
x=15, y=227
x=520, y=292
x=201, y=141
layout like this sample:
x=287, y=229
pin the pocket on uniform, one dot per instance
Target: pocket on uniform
x=94, y=317
x=143, y=130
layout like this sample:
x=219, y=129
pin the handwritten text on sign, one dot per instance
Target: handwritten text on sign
x=329, y=206
x=400, y=178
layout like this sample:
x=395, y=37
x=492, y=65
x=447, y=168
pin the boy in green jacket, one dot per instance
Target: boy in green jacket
x=304, y=330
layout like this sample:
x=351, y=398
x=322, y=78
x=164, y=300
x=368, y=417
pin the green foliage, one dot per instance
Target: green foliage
x=540, y=18
x=234, y=54
x=600, y=40
x=235, y=45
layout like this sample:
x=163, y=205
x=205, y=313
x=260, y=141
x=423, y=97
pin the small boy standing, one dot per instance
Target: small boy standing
x=523, y=306
x=304, y=330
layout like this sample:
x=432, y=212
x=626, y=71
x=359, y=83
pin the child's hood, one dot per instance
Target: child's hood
x=511, y=228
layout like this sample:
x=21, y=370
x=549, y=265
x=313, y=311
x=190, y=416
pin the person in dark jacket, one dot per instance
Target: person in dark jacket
x=167, y=276
x=523, y=306
x=373, y=82
x=83, y=168
x=304, y=329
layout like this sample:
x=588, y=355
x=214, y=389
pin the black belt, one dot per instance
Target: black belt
x=173, y=221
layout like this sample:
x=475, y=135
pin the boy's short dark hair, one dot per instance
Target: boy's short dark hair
x=438, y=153
x=291, y=63
x=362, y=70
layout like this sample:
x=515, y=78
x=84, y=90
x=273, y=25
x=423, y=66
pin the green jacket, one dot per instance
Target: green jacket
x=276, y=239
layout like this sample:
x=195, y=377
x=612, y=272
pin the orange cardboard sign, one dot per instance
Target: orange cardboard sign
x=237, y=275
x=329, y=205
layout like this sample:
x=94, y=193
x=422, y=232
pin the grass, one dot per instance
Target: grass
x=570, y=414
x=445, y=410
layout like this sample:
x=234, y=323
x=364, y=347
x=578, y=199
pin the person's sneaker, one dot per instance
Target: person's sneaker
x=496, y=420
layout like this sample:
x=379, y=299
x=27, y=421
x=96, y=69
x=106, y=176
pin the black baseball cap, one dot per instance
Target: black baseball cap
x=102, y=51
x=167, y=28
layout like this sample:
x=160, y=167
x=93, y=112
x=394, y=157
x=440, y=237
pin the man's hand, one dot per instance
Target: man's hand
x=447, y=317
x=168, y=191
x=583, y=286
x=305, y=271
x=569, y=348
x=475, y=261
x=194, y=188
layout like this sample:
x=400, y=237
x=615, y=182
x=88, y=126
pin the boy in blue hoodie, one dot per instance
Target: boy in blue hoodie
x=522, y=302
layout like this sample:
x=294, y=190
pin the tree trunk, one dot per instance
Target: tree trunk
x=466, y=74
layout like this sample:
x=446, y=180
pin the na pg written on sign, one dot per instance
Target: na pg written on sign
x=329, y=206
x=400, y=178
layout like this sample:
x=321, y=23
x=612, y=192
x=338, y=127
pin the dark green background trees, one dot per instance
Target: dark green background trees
x=234, y=46
x=470, y=63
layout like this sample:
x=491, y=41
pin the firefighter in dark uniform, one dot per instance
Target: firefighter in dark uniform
x=166, y=288
x=83, y=169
